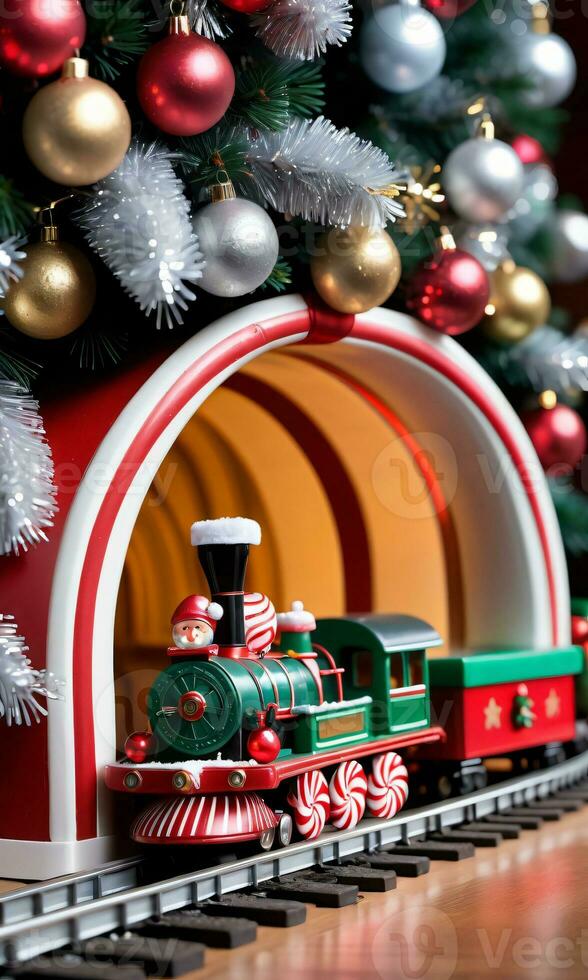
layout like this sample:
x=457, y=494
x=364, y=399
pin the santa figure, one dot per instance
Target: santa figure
x=194, y=622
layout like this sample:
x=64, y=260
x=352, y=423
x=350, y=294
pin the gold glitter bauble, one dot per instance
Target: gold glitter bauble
x=76, y=130
x=355, y=269
x=56, y=293
x=519, y=302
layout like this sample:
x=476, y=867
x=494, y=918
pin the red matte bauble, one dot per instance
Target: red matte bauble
x=449, y=9
x=138, y=746
x=579, y=630
x=558, y=435
x=529, y=150
x=247, y=6
x=264, y=745
x=185, y=84
x=37, y=36
x=449, y=292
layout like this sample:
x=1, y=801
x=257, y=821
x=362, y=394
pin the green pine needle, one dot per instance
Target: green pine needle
x=269, y=92
x=212, y=157
x=117, y=34
x=15, y=366
x=279, y=278
x=16, y=215
x=96, y=349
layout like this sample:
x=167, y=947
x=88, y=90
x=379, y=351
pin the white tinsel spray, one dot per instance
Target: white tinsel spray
x=209, y=19
x=302, y=29
x=10, y=256
x=20, y=684
x=550, y=359
x=325, y=174
x=27, y=493
x=139, y=223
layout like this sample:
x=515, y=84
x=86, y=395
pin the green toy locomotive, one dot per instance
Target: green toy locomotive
x=264, y=721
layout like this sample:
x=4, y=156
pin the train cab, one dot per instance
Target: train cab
x=384, y=657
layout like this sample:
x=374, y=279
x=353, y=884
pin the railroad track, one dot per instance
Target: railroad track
x=220, y=906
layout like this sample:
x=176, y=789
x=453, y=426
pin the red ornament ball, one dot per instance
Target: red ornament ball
x=37, y=36
x=558, y=435
x=138, y=746
x=185, y=84
x=247, y=6
x=449, y=292
x=264, y=745
x=448, y=9
x=579, y=630
x=529, y=150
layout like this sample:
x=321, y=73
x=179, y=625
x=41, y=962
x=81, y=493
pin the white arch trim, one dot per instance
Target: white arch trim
x=238, y=338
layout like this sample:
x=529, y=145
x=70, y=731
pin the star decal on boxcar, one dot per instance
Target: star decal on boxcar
x=552, y=704
x=492, y=712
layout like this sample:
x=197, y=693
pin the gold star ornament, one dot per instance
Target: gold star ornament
x=492, y=711
x=552, y=704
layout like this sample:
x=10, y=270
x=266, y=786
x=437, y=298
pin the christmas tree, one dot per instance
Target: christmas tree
x=164, y=163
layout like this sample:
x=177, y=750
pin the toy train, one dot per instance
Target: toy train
x=262, y=723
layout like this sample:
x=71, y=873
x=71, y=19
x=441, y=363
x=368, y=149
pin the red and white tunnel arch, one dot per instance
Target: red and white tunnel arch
x=511, y=557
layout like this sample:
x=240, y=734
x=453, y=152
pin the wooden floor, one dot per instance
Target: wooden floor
x=518, y=911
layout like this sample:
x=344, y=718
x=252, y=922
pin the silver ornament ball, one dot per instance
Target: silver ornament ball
x=402, y=47
x=240, y=246
x=483, y=178
x=487, y=243
x=536, y=203
x=569, y=246
x=547, y=62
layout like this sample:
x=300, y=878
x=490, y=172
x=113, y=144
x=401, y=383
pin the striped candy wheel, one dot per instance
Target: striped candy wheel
x=347, y=790
x=309, y=799
x=387, y=787
x=261, y=622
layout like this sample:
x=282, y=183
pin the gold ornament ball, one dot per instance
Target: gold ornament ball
x=76, y=130
x=355, y=269
x=519, y=302
x=56, y=293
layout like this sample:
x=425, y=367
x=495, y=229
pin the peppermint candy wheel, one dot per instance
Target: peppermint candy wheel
x=387, y=786
x=309, y=800
x=347, y=790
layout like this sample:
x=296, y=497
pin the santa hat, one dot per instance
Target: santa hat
x=198, y=607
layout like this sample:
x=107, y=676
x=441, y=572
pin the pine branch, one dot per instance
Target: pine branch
x=16, y=215
x=117, y=35
x=207, y=17
x=269, y=92
x=280, y=277
x=206, y=159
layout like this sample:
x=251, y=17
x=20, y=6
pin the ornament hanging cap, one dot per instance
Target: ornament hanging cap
x=75, y=68
x=224, y=190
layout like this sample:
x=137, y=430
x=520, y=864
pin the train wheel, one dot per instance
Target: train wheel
x=284, y=830
x=387, y=788
x=309, y=799
x=348, y=791
x=266, y=841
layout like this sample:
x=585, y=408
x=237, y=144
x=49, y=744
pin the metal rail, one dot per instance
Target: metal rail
x=101, y=901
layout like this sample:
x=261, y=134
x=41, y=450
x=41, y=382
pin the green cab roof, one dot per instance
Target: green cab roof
x=383, y=632
x=504, y=666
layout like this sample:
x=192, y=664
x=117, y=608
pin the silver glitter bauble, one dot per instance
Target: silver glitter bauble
x=487, y=243
x=547, y=63
x=483, y=178
x=569, y=246
x=240, y=246
x=402, y=47
x=536, y=203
